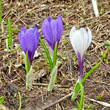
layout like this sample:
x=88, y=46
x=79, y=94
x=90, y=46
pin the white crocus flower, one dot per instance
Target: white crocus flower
x=80, y=40
x=95, y=7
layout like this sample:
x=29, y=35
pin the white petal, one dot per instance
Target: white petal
x=95, y=7
x=85, y=38
x=72, y=31
x=80, y=40
x=89, y=37
x=77, y=42
x=82, y=30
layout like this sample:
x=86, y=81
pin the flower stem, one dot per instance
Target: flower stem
x=81, y=72
x=77, y=87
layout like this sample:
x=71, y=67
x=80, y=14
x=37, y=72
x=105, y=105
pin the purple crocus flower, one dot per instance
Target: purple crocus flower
x=80, y=40
x=29, y=40
x=52, y=30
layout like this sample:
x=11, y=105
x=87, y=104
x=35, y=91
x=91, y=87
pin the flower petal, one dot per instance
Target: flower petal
x=52, y=30
x=77, y=42
x=59, y=28
x=29, y=41
x=36, y=36
x=90, y=36
x=55, y=33
x=85, y=38
x=47, y=32
x=49, y=19
x=72, y=32
x=80, y=41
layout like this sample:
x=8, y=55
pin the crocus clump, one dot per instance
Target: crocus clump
x=29, y=40
x=80, y=40
x=52, y=30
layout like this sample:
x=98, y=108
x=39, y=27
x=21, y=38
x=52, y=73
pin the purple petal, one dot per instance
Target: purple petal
x=36, y=38
x=29, y=41
x=23, y=30
x=59, y=28
x=49, y=19
x=46, y=30
x=52, y=30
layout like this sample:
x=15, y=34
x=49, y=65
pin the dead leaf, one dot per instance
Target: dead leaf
x=73, y=22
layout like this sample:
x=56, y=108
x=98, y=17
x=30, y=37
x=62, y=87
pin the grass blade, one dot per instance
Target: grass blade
x=7, y=48
x=19, y=101
x=63, y=59
x=101, y=8
x=0, y=11
x=10, y=33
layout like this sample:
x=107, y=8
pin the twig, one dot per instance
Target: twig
x=60, y=100
x=42, y=84
x=99, y=102
x=38, y=10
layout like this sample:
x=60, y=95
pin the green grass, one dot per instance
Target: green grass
x=10, y=42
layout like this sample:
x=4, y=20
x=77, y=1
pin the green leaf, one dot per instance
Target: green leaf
x=89, y=73
x=0, y=11
x=27, y=63
x=101, y=8
x=19, y=101
x=7, y=45
x=80, y=105
x=61, y=57
x=47, y=54
x=2, y=100
x=10, y=33
x=55, y=59
x=55, y=55
x=82, y=96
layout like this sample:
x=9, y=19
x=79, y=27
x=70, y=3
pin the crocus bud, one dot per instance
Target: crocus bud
x=52, y=30
x=29, y=40
x=80, y=40
x=95, y=7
